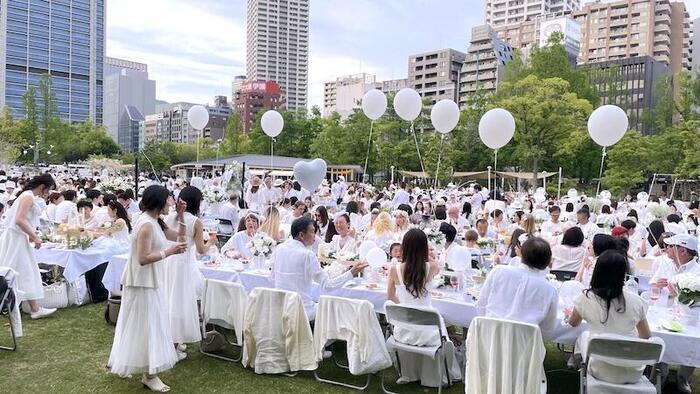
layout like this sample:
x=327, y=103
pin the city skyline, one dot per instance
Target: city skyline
x=196, y=66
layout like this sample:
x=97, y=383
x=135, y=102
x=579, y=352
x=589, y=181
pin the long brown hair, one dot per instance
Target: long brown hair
x=414, y=254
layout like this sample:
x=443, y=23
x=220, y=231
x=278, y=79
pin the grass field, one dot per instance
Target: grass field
x=68, y=352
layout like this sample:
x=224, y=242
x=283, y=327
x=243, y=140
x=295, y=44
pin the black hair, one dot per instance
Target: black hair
x=108, y=197
x=569, y=207
x=92, y=194
x=84, y=203
x=633, y=214
x=466, y=209
x=440, y=212
x=296, y=186
x=536, y=253
x=628, y=224
x=192, y=196
x=300, y=225
x=293, y=200
x=44, y=179
x=573, y=237
x=656, y=228
x=449, y=231
x=554, y=208
x=605, y=209
x=402, y=207
x=608, y=280
x=481, y=221
x=673, y=218
x=155, y=198
x=603, y=242
x=129, y=194
x=584, y=211
x=352, y=207
x=120, y=212
x=69, y=195
x=414, y=254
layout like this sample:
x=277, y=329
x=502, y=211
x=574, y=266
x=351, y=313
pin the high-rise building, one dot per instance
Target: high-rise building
x=218, y=117
x=537, y=30
x=507, y=12
x=631, y=28
x=130, y=129
x=345, y=93
x=392, y=86
x=484, y=64
x=695, y=45
x=126, y=89
x=171, y=124
x=278, y=46
x=253, y=97
x=62, y=38
x=435, y=75
x=236, y=86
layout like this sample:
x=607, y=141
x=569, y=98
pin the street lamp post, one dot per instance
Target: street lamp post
x=392, y=175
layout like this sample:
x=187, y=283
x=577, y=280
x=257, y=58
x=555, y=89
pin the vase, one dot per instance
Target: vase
x=689, y=316
x=258, y=262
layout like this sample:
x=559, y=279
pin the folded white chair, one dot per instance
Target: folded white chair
x=420, y=319
x=504, y=356
x=355, y=322
x=223, y=304
x=277, y=335
x=13, y=315
x=609, y=357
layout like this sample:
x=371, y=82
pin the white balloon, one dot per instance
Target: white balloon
x=198, y=116
x=496, y=128
x=444, y=116
x=365, y=247
x=460, y=259
x=272, y=123
x=309, y=174
x=407, y=104
x=572, y=193
x=374, y=104
x=607, y=125
x=376, y=257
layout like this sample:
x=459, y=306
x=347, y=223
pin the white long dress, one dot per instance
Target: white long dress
x=415, y=367
x=16, y=250
x=183, y=281
x=142, y=339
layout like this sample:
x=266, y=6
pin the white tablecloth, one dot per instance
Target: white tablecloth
x=74, y=261
x=112, y=278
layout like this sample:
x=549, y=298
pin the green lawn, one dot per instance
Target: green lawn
x=68, y=353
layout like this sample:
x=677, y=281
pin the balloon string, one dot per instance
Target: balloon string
x=437, y=171
x=272, y=152
x=600, y=178
x=415, y=139
x=369, y=145
x=495, y=171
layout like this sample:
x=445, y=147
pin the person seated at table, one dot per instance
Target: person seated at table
x=237, y=246
x=382, y=232
x=601, y=243
x=512, y=255
x=121, y=224
x=527, y=223
x=324, y=222
x=86, y=217
x=295, y=266
x=299, y=208
x=470, y=239
x=345, y=241
x=498, y=224
x=650, y=247
x=522, y=293
x=569, y=255
x=67, y=207
x=407, y=286
x=402, y=223
x=454, y=218
x=553, y=225
x=99, y=209
x=482, y=228
x=450, y=234
x=606, y=218
x=589, y=229
x=55, y=198
x=395, y=251
x=609, y=309
x=127, y=199
x=271, y=224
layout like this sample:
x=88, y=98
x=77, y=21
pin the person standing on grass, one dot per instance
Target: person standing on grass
x=19, y=235
x=142, y=340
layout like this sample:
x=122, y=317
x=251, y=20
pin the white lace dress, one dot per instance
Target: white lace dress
x=142, y=339
x=16, y=250
x=182, y=285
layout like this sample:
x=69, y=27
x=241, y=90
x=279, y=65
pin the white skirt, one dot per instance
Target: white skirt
x=142, y=340
x=16, y=252
x=182, y=283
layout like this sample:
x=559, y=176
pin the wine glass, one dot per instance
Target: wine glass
x=454, y=282
x=655, y=292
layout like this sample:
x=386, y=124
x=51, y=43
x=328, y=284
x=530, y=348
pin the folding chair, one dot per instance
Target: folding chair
x=563, y=276
x=417, y=317
x=7, y=304
x=230, y=317
x=621, y=351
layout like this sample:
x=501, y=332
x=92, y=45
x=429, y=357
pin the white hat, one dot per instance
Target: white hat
x=341, y=179
x=278, y=182
x=10, y=184
x=683, y=240
x=324, y=182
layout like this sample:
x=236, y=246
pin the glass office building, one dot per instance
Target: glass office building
x=62, y=38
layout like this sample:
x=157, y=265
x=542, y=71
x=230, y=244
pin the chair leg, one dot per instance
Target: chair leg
x=348, y=385
x=12, y=334
x=439, y=364
x=384, y=389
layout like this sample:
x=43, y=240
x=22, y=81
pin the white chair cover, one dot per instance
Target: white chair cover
x=355, y=322
x=568, y=292
x=224, y=303
x=16, y=317
x=504, y=357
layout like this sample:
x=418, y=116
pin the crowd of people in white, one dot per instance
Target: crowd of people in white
x=595, y=240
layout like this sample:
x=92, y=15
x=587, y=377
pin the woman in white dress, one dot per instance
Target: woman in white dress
x=16, y=241
x=237, y=246
x=121, y=225
x=345, y=240
x=407, y=286
x=55, y=198
x=570, y=254
x=271, y=224
x=142, y=339
x=382, y=232
x=183, y=280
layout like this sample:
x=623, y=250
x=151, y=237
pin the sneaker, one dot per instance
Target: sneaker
x=327, y=354
x=42, y=312
x=182, y=347
x=683, y=385
x=181, y=356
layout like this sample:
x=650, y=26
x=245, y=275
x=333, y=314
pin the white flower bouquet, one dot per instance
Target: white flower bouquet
x=434, y=236
x=485, y=243
x=114, y=184
x=214, y=195
x=336, y=269
x=688, y=286
x=657, y=210
x=261, y=245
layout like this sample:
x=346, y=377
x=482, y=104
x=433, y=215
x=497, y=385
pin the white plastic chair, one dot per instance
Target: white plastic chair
x=355, y=322
x=233, y=298
x=504, y=356
x=417, y=317
x=621, y=351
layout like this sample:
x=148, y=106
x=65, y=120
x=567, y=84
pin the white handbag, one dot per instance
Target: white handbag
x=55, y=296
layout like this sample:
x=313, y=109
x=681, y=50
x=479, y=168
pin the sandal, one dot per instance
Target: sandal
x=155, y=384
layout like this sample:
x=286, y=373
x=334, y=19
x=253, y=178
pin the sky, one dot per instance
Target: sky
x=194, y=48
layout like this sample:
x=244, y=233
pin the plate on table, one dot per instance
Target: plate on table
x=374, y=286
x=672, y=326
x=436, y=294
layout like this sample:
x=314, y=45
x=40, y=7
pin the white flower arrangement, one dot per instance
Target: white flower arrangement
x=434, y=236
x=334, y=270
x=106, y=225
x=346, y=256
x=657, y=210
x=114, y=184
x=261, y=245
x=232, y=178
x=214, y=195
x=688, y=289
x=485, y=243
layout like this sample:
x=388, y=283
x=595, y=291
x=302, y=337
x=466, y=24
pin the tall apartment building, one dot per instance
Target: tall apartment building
x=695, y=45
x=392, y=86
x=345, y=93
x=278, y=46
x=484, y=63
x=127, y=90
x=171, y=124
x=435, y=75
x=253, y=97
x=63, y=38
x=537, y=30
x=507, y=12
x=238, y=80
x=630, y=28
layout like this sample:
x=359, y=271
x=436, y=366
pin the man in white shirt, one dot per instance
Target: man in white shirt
x=269, y=192
x=482, y=228
x=522, y=293
x=553, y=225
x=295, y=266
x=456, y=220
x=127, y=201
x=230, y=212
x=339, y=189
x=401, y=196
x=477, y=197
x=589, y=229
x=67, y=207
x=682, y=250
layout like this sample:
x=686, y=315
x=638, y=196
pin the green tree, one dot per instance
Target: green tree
x=235, y=140
x=11, y=137
x=627, y=163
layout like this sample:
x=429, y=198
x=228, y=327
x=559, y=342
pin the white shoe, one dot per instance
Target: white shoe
x=155, y=384
x=181, y=355
x=181, y=347
x=42, y=312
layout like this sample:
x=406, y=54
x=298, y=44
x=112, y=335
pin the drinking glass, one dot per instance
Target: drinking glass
x=454, y=282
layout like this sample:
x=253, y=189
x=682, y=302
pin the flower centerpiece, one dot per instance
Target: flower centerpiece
x=261, y=247
x=485, y=243
x=688, y=286
x=114, y=184
x=434, y=236
x=214, y=197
